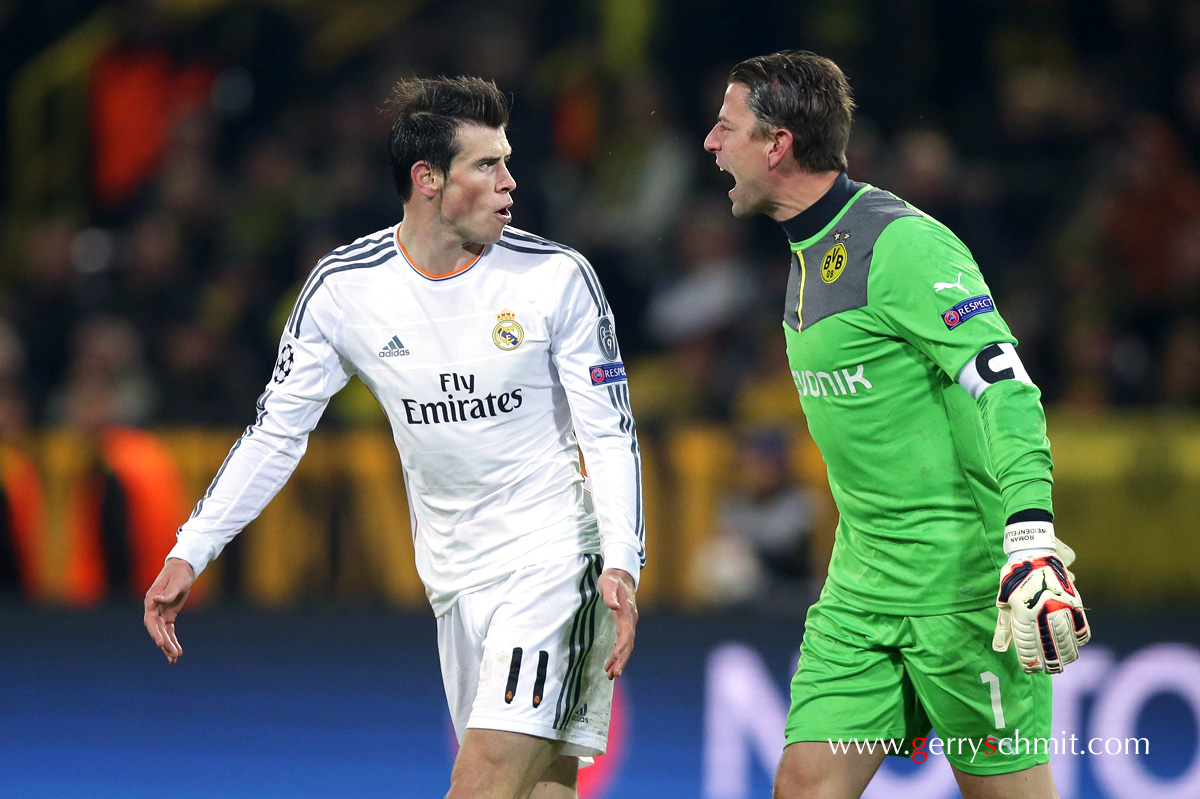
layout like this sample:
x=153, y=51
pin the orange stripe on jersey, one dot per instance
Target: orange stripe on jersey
x=413, y=263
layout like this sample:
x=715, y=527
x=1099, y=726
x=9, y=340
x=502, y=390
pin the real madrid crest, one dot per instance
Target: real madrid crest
x=507, y=333
x=833, y=262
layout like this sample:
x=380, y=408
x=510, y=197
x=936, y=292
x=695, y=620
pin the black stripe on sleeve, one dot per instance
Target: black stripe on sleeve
x=341, y=255
x=619, y=396
x=261, y=406
x=302, y=304
x=585, y=268
x=217, y=478
x=623, y=392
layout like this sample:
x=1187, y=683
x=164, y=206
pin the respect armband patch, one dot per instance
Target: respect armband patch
x=607, y=373
x=972, y=306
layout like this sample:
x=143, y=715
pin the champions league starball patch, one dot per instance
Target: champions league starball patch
x=972, y=306
x=607, y=373
x=283, y=367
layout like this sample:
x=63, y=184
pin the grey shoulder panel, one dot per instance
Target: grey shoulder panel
x=791, y=304
x=838, y=264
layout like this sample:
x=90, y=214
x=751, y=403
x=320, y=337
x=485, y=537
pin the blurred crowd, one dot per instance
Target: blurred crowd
x=229, y=150
x=1058, y=139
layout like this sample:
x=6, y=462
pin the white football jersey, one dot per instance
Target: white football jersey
x=493, y=378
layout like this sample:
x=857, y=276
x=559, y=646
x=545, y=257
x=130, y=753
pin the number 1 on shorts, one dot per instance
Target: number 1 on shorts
x=993, y=683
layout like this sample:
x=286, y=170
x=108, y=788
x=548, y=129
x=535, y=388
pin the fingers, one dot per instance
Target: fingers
x=1002, y=639
x=168, y=605
x=1047, y=643
x=626, y=631
x=1065, y=554
x=163, y=602
x=1026, y=642
x=615, y=665
x=162, y=630
x=1062, y=628
x=163, y=633
x=1042, y=617
x=175, y=650
x=1083, y=630
x=624, y=610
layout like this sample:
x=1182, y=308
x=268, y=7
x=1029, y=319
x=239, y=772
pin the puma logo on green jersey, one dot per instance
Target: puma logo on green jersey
x=838, y=382
x=939, y=287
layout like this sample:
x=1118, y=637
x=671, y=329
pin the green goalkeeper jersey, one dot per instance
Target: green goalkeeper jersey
x=932, y=432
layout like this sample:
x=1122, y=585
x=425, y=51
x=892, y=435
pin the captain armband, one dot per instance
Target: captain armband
x=994, y=363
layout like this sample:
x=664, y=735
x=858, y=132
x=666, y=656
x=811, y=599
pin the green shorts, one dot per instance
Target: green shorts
x=870, y=677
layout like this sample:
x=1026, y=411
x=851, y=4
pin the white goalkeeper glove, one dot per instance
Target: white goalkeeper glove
x=1040, y=609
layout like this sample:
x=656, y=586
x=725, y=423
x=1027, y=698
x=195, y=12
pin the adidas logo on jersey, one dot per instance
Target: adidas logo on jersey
x=580, y=714
x=393, y=349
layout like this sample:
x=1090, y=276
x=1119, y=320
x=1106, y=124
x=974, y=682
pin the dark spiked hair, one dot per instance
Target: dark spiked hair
x=806, y=94
x=428, y=113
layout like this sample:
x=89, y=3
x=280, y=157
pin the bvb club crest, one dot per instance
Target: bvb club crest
x=507, y=333
x=833, y=263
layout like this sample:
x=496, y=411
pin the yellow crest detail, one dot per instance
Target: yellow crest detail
x=507, y=333
x=833, y=263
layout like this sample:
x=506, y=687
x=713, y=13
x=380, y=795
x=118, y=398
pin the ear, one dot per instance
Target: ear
x=780, y=147
x=425, y=180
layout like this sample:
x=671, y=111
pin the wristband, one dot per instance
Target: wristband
x=1024, y=536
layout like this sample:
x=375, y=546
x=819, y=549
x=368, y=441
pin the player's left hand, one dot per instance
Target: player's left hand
x=616, y=588
x=1041, y=612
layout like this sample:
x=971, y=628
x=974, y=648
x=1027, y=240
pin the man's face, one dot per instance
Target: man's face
x=741, y=152
x=475, y=199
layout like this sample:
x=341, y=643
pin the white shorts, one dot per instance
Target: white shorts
x=527, y=655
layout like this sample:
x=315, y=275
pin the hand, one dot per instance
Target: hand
x=1041, y=611
x=616, y=588
x=164, y=600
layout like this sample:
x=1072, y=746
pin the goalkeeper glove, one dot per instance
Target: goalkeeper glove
x=1040, y=609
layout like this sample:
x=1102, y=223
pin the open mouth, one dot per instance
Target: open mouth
x=730, y=174
x=732, y=190
x=505, y=213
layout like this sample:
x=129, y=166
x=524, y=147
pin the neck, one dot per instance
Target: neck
x=817, y=215
x=434, y=249
x=798, y=191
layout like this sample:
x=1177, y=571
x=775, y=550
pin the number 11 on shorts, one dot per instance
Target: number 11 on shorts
x=993, y=683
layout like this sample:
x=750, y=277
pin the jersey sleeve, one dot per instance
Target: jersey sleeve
x=588, y=360
x=308, y=371
x=927, y=288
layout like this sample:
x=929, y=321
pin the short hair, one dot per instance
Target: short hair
x=806, y=94
x=428, y=114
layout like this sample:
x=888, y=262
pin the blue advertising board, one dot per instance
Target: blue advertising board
x=334, y=702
